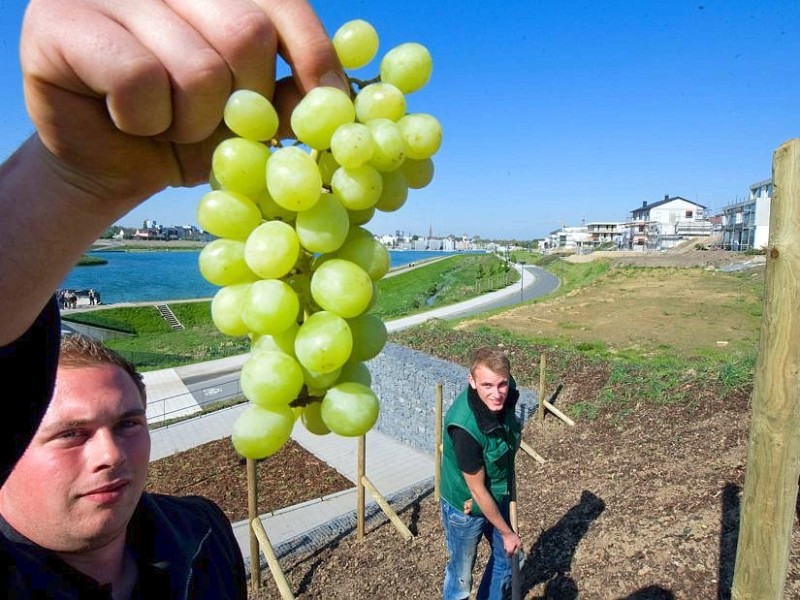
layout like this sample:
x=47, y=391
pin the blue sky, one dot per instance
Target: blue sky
x=557, y=112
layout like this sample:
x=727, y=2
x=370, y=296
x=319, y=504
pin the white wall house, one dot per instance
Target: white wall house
x=745, y=225
x=570, y=238
x=664, y=223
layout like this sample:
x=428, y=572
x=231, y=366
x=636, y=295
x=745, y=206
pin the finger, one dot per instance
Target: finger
x=200, y=77
x=285, y=99
x=116, y=66
x=304, y=44
x=243, y=36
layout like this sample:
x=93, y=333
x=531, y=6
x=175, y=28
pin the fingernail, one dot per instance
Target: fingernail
x=334, y=79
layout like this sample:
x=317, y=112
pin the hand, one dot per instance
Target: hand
x=128, y=96
x=511, y=543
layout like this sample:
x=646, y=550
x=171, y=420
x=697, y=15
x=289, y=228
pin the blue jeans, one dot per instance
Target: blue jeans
x=462, y=533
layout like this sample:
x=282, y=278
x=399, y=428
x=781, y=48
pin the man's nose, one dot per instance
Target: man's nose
x=106, y=450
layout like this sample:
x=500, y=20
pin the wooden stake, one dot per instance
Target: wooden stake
x=252, y=513
x=272, y=559
x=558, y=413
x=361, y=471
x=773, y=458
x=396, y=521
x=542, y=367
x=437, y=455
x=531, y=452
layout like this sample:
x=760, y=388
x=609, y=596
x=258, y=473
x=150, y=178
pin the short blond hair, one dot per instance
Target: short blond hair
x=494, y=359
x=82, y=351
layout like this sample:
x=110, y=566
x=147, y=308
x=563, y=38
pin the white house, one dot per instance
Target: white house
x=664, y=223
x=745, y=225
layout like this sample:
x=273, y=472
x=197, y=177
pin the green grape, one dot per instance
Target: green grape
x=356, y=43
x=390, y=146
x=324, y=342
x=258, y=433
x=327, y=165
x=352, y=145
x=355, y=371
x=240, y=165
x=369, y=336
x=293, y=179
x=312, y=419
x=380, y=101
x=272, y=249
x=358, y=232
x=324, y=226
x=270, y=307
x=279, y=342
x=318, y=383
x=341, y=287
x=422, y=133
x=350, y=409
x=407, y=66
x=321, y=111
x=301, y=284
x=271, y=210
x=369, y=254
x=228, y=214
x=358, y=188
x=226, y=309
x=394, y=192
x=271, y=379
x=419, y=173
x=250, y=115
x=222, y=263
x=361, y=217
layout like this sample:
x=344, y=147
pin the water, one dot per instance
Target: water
x=162, y=275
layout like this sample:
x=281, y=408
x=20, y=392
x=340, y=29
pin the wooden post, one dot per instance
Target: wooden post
x=252, y=513
x=387, y=509
x=361, y=471
x=272, y=560
x=542, y=367
x=437, y=455
x=773, y=458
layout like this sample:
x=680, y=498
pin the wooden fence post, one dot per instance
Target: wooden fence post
x=437, y=455
x=361, y=471
x=542, y=368
x=773, y=458
x=252, y=513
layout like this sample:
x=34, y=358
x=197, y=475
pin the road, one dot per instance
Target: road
x=219, y=380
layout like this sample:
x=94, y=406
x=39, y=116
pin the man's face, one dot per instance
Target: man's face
x=492, y=387
x=79, y=481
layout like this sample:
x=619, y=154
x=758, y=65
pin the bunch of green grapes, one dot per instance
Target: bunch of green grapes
x=296, y=266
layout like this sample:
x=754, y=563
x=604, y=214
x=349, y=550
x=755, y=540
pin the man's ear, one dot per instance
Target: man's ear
x=471, y=381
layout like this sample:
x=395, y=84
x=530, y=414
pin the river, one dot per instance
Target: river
x=149, y=276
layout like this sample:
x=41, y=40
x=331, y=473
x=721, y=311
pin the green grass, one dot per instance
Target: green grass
x=444, y=282
x=155, y=346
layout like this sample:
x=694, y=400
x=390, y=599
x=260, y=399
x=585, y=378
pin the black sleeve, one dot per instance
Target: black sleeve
x=469, y=455
x=31, y=359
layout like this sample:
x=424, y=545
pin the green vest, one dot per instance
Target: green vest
x=499, y=448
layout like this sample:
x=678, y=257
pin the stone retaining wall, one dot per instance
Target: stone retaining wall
x=405, y=381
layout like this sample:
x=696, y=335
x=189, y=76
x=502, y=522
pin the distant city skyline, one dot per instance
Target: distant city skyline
x=559, y=111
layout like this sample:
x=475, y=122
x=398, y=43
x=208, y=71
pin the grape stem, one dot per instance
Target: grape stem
x=361, y=83
x=304, y=399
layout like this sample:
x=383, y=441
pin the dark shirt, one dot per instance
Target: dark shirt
x=183, y=547
x=30, y=360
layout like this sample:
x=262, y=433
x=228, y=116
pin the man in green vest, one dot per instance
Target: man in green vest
x=481, y=438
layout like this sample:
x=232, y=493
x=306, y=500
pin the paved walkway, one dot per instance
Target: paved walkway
x=393, y=467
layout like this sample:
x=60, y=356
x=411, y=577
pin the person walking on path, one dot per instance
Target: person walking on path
x=482, y=435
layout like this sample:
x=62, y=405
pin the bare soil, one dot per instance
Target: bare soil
x=634, y=506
